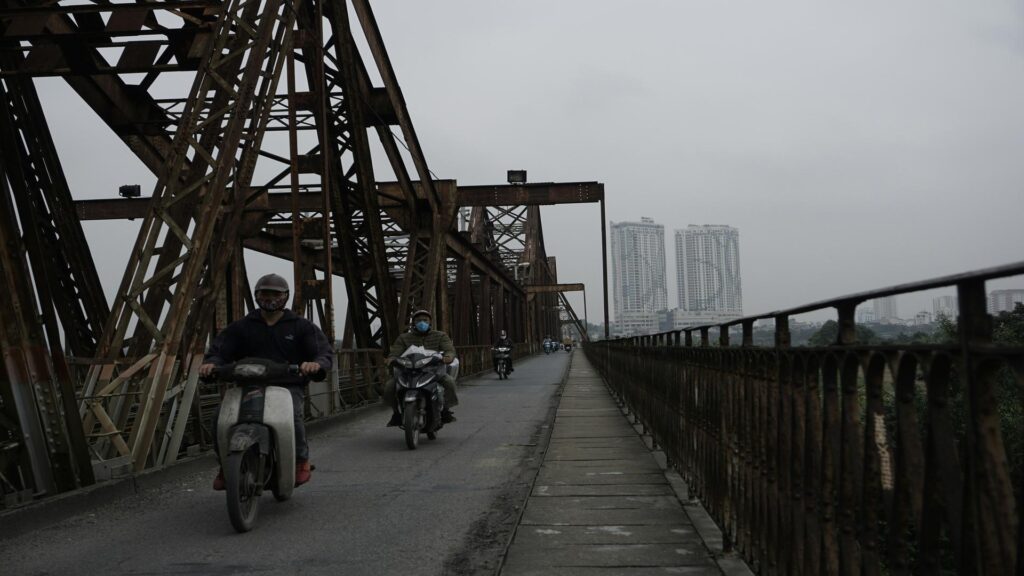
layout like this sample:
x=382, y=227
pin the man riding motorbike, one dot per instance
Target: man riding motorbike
x=503, y=341
x=279, y=335
x=420, y=334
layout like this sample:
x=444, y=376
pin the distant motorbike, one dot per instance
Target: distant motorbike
x=549, y=347
x=502, y=361
x=419, y=395
x=567, y=347
x=256, y=436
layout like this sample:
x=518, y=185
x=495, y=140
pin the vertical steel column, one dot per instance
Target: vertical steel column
x=67, y=299
x=17, y=351
x=987, y=474
x=356, y=209
x=604, y=266
x=486, y=309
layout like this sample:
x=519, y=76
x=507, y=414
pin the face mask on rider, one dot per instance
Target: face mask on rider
x=271, y=301
x=423, y=326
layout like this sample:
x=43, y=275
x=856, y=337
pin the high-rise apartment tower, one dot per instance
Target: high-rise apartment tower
x=638, y=275
x=885, y=310
x=708, y=269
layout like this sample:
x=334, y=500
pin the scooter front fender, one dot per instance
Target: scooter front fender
x=279, y=415
x=230, y=407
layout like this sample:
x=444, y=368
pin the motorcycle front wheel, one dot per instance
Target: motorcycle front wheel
x=411, y=423
x=242, y=486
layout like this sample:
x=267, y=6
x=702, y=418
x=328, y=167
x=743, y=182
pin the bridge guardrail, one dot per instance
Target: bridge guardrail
x=849, y=458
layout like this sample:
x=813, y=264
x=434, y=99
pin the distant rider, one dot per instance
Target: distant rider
x=504, y=341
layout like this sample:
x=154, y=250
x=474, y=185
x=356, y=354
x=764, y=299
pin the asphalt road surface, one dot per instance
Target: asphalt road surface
x=373, y=506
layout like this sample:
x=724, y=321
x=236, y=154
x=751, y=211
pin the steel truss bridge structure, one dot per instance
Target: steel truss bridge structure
x=266, y=148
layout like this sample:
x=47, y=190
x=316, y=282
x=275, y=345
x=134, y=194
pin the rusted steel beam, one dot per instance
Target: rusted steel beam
x=549, y=288
x=16, y=11
x=63, y=264
x=574, y=318
x=128, y=208
x=62, y=295
x=54, y=44
x=531, y=194
x=218, y=154
x=427, y=269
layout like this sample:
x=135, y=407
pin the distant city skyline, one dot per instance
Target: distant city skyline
x=1004, y=300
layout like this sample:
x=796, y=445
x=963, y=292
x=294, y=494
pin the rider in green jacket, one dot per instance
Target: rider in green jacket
x=420, y=334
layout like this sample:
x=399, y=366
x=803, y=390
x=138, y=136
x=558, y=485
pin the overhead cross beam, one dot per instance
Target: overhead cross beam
x=549, y=288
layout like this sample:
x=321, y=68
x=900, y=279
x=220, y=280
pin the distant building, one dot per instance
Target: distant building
x=638, y=275
x=865, y=315
x=922, y=318
x=677, y=319
x=885, y=310
x=708, y=270
x=1004, y=300
x=945, y=306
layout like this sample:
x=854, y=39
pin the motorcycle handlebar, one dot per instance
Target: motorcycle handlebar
x=258, y=371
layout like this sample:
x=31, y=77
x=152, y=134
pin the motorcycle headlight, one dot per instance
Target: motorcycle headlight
x=403, y=362
x=422, y=363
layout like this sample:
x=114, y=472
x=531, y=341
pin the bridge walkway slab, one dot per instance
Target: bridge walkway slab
x=601, y=503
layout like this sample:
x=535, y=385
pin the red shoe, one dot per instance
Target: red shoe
x=218, y=482
x=302, y=473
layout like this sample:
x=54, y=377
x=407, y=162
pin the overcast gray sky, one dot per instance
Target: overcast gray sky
x=854, y=145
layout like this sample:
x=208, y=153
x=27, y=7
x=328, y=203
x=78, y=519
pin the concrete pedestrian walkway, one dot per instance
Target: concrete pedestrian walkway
x=601, y=503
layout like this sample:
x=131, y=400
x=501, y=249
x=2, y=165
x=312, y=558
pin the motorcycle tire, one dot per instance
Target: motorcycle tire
x=242, y=487
x=431, y=435
x=411, y=423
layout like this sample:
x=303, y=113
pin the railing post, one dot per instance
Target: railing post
x=992, y=512
x=847, y=333
x=782, y=338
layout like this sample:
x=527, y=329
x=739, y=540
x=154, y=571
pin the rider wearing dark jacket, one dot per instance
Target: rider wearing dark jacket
x=273, y=333
x=503, y=340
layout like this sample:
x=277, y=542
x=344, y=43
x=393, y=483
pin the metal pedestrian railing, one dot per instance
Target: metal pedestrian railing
x=843, y=459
